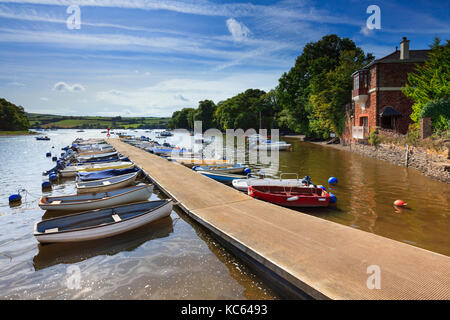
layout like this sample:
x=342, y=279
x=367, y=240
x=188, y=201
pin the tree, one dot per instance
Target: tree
x=294, y=88
x=205, y=113
x=430, y=82
x=331, y=91
x=241, y=111
x=12, y=117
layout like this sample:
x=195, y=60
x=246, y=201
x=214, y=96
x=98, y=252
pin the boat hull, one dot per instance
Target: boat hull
x=221, y=177
x=106, y=230
x=290, y=199
x=137, y=195
x=85, y=188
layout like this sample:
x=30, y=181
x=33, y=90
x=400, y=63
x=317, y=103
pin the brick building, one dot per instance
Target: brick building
x=377, y=97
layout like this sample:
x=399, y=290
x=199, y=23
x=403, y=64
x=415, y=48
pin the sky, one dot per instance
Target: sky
x=151, y=58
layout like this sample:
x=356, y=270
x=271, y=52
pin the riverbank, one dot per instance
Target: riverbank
x=17, y=133
x=432, y=165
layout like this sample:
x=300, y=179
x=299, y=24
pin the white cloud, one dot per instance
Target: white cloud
x=167, y=96
x=44, y=99
x=366, y=31
x=237, y=29
x=61, y=86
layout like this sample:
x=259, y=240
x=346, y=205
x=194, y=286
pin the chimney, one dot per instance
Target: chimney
x=404, y=49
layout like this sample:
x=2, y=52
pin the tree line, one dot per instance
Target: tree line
x=310, y=98
x=12, y=117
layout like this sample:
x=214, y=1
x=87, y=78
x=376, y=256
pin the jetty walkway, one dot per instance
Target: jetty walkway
x=300, y=255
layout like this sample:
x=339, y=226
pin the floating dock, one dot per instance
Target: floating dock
x=301, y=256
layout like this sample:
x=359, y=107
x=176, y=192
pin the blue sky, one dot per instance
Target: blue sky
x=150, y=58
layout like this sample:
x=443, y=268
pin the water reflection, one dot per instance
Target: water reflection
x=68, y=253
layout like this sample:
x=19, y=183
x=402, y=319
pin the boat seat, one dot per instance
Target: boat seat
x=51, y=230
x=116, y=218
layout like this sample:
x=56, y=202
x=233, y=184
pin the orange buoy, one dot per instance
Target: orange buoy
x=400, y=203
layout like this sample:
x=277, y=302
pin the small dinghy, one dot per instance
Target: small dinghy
x=196, y=161
x=243, y=184
x=71, y=171
x=101, y=223
x=96, y=156
x=98, y=175
x=224, y=168
x=221, y=177
x=91, y=201
x=291, y=196
x=107, y=184
x=270, y=145
x=43, y=138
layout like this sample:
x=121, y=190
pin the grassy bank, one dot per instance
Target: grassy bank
x=48, y=121
x=17, y=133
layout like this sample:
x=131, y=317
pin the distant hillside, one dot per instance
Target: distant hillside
x=45, y=121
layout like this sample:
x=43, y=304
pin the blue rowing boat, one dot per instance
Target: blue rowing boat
x=222, y=177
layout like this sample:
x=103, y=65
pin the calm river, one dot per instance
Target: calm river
x=176, y=259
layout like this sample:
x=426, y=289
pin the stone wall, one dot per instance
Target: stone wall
x=432, y=165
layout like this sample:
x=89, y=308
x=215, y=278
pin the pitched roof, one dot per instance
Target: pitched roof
x=394, y=57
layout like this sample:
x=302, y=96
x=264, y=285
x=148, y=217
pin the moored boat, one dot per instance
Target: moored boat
x=106, y=184
x=224, y=168
x=291, y=196
x=101, y=223
x=103, y=174
x=243, y=184
x=221, y=176
x=71, y=171
x=91, y=201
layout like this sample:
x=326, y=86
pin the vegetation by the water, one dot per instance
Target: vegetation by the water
x=47, y=121
x=309, y=99
x=12, y=117
x=429, y=87
x=16, y=133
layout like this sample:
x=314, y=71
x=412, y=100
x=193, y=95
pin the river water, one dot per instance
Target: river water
x=176, y=259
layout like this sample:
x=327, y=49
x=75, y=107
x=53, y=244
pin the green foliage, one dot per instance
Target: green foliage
x=205, y=113
x=374, y=138
x=439, y=112
x=331, y=91
x=182, y=119
x=430, y=81
x=76, y=122
x=12, y=117
x=242, y=111
x=322, y=70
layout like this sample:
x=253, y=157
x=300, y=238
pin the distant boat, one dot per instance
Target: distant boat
x=80, y=130
x=269, y=145
x=91, y=201
x=101, y=223
x=291, y=196
x=106, y=184
x=43, y=138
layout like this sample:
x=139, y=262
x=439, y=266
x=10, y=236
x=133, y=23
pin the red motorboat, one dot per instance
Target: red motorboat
x=291, y=196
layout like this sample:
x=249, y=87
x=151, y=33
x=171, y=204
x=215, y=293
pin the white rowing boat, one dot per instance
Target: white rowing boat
x=107, y=183
x=91, y=201
x=71, y=171
x=102, y=223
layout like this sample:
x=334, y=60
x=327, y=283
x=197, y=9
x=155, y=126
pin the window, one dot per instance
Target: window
x=363, y=121
x=356, y=81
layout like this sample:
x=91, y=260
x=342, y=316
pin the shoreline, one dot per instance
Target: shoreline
x=17, y=133
x=433, y=166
